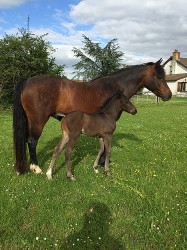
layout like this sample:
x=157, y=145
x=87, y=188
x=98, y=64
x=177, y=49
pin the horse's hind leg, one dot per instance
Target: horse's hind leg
x=58, y=149
x=35, y=130
x=101, y=149
x=32, y=143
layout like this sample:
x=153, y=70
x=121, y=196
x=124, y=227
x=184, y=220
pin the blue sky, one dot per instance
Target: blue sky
x=146, y=30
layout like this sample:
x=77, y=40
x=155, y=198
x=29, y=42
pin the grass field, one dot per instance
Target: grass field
x=143, y=205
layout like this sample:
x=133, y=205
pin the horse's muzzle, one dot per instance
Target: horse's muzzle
x=133, y=111
x=166, y=97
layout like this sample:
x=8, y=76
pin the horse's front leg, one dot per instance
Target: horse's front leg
x=107, y=143
x=58, y=149
x=68, y=152
x=101, y=150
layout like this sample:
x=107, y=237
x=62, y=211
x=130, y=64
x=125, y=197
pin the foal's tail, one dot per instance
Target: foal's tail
x=20, y=129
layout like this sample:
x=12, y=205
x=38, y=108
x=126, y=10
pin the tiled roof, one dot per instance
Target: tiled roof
x=183, y=61
x=175, y=77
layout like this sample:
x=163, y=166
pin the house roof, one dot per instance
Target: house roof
x=169, y=59
x=175, y=77
x=182, y=61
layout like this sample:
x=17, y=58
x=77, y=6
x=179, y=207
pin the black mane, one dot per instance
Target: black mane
x=107, y=102
x=159, y=70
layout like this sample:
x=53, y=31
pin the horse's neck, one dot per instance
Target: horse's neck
x=131, y=84
x=113, y=109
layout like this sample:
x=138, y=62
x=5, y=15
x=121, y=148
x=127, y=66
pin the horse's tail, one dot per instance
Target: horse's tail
x=20, y=129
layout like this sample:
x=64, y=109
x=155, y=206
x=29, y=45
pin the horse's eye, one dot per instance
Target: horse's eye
x=158, y=76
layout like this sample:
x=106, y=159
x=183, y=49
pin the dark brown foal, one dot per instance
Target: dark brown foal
x=101, y=124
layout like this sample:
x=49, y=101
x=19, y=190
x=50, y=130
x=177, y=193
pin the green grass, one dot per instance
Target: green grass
x=141, y=206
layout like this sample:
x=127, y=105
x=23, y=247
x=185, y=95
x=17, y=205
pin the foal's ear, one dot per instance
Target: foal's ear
x=119, y=93
x=159, y=61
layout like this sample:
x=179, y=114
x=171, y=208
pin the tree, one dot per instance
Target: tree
x=24, y=55
x=96, y=61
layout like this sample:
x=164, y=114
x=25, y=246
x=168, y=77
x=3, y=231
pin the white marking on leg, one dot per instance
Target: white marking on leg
x=49, y=174
x=35, y=169
x=72, y=178
x=96, y=171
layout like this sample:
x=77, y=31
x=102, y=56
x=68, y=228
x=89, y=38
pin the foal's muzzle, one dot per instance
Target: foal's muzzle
x=133, y=111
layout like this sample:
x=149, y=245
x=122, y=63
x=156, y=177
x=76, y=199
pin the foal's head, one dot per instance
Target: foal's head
x=125, y=104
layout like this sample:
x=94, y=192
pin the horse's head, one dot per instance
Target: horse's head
x=155, y=81
x=125, y=104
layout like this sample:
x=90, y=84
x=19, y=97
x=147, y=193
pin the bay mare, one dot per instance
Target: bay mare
x=101, y=124
x=40, y=97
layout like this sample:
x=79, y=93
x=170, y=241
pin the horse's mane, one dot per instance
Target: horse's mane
x=107, y=102
x=159, y=70
x=47, y=76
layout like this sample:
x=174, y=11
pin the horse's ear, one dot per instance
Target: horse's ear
x=159, y=61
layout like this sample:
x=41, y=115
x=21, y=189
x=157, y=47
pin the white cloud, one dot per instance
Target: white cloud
x=11, y=3
x=64, y=55
x=148, y=28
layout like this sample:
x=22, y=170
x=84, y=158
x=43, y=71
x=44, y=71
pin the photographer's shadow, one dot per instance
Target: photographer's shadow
x=95, y=232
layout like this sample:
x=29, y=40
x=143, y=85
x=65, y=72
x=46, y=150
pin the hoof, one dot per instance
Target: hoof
x=49, y=176
x=72, y=178
x=35, y=169
x=107, y=174
x=96, y=171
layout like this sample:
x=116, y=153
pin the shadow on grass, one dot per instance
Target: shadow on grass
x=120, y=136
x=85, y=145
x=95, y=231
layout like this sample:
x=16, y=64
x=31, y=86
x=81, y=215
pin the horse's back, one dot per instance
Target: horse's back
x=49, y=94
x=52, y=94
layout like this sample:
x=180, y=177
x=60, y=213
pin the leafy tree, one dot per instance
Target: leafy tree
x=96, y=61
x=24, y=55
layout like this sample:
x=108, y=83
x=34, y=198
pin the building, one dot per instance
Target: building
x=176, y=74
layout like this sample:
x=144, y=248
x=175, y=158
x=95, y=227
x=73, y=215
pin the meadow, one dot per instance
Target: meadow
x=142, y=205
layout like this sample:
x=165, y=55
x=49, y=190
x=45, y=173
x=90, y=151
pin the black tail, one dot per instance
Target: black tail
x=20, y=129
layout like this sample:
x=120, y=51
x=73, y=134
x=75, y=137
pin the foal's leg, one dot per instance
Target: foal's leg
x=58, y=149
x=101, y=149
x=102, y=159
x=68, y=152
x=107, y=142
